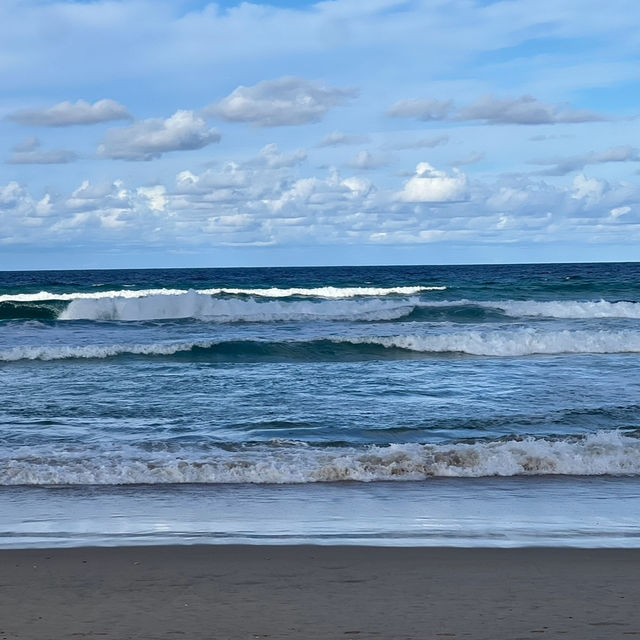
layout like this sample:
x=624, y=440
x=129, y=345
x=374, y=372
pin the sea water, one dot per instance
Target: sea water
x=450, y=405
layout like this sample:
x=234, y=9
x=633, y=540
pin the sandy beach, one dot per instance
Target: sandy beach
x=318, y=592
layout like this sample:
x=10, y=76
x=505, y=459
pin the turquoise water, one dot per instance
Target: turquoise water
x=389, y=405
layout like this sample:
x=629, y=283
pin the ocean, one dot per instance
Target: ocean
x=491, y=405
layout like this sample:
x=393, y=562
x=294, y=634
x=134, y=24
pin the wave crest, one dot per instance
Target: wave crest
x=506, y=343
x=604, y=453
x=272, y=292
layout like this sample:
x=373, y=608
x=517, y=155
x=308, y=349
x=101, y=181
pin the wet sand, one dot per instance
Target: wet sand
x=307, y=592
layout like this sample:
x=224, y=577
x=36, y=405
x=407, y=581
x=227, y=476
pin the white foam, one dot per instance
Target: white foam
x=512, y=342
x=604, y=453
x=506, y=343
x=204, y=307
x=569, y=309
x=273, y=292
x=97, y=295
x=66, y=352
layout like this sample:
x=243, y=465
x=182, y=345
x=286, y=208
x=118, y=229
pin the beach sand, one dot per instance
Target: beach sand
x=307, y=592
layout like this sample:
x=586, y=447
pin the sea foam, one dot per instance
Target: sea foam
x=505, y=343
x=603, y=453
x=205, y=307
x=272, y=292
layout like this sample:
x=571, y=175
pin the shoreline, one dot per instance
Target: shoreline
x=251, y=591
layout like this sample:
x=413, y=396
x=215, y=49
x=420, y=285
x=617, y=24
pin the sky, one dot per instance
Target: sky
x=177, y=133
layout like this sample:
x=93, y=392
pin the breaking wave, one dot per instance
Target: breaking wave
x=273, y=305
x=273, y=292
x=603, y=453
x=204, y=307
x=569, y=309
x=506, y=343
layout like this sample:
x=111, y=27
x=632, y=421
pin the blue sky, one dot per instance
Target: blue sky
x=187, y=133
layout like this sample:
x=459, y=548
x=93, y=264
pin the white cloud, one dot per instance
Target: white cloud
x=271, y=158
x=58, y=156
x=420, y=109
x=562, y=166
x=67, y=114
x=149, y=139
x=523, y=110
x=247, y=206
x=365, y=161
x=283, y=102
x=336, y=138
x=28, y=152
x=431, y=185
x=232, y=176
x=156, y=196
x=589, y=189
x=618, y=212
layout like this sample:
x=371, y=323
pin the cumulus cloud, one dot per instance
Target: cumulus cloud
x=89, y=196
x=336, y=138
x=430, y=185
x=149, y=139
x=283, y=102
x=156, y=196
x=67, y=114
x=523, y=110
x=365, y=160
x=588, y=189
x=562, y=166
x=232, y=176
x=237, y=205
x=271, y=158
x=420, y=109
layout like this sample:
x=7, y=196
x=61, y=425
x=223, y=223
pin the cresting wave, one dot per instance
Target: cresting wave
x=604, y=453
x=204, y=307
x=273, y=305
x=506, y=343
x=272, y=292
x=568, y=308
x=518, y=342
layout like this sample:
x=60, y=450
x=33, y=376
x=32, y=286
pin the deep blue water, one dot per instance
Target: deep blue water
x=390, y=377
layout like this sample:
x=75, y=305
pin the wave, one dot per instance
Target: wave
x=204, y=307
x=273, y=305
x=603, y=453
x=452, y=309
x=30, y=310
x=507, y=343
x=272, y=292
x=569, y=309
x=519, y=342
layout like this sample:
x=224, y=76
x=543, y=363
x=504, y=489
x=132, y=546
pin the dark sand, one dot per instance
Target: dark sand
x=319, y=592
